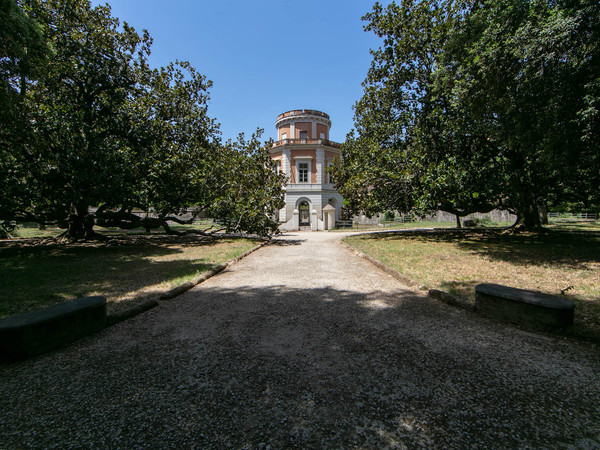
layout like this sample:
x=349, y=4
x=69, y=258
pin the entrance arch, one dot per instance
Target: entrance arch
x=304, y=213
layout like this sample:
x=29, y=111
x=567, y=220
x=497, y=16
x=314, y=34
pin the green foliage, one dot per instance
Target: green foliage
x=22, y=56
x=7, y=228
x=389, y=215
x=98, y=133
x=470, y=106
x=251, y=190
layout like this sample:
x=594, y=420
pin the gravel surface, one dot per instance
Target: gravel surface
x=305, y=345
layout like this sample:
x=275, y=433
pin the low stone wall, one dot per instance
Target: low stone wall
x=39, y=331
x=530, y=309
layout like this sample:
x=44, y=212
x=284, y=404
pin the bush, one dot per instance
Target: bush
x=389, y=215
x=478, y=222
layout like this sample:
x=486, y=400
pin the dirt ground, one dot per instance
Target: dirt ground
x=305, y=345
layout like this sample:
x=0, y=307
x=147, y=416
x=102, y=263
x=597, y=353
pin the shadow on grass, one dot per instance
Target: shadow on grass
x=555, y=247
x=32, y=277
x=461, y=288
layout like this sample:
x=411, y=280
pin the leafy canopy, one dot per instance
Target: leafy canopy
x=472, y=105
x=97, y=134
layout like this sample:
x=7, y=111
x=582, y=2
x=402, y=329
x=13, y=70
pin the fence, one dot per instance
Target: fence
x=495, y=216
x=573, y=217
x=379, y=220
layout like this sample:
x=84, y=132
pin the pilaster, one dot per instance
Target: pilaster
x=320, y=165
x=286, y=162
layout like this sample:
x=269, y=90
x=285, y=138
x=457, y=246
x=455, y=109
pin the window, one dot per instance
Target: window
x=322, y=135
x=283, y=135
x=329, y=179
x=303, y=135
x=303, y=172
x=277, y=168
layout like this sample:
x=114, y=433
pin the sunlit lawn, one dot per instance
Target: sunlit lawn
x=31, y=230
x=125, y=268
x=567, y=259
x=416, y=224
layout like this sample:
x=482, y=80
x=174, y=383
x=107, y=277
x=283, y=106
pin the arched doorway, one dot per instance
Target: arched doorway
x=304, y=210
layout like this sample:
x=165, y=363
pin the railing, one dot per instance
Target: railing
x=308, y=141
x=343, y=224
x=296, y=112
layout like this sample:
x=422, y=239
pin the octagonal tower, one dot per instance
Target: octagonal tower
x=303, y=152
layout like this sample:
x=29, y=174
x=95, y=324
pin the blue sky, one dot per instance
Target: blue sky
x=263, y=56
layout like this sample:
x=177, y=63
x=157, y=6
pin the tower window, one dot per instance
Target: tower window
x=329, y=179
x=303, y=135
x=283, y=135
x=303, y=172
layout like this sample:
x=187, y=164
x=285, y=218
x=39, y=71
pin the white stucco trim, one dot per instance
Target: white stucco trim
x=302, y=118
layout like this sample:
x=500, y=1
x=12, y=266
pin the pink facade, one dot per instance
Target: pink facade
x=303, y=153
x=284, y=131
x=306, y=127
x=322, y=130
x=297, y=156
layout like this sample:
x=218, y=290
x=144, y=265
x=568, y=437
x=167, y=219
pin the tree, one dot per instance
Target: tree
x=251, y=191
x=22, y=57
x=77, y=152
x=479, y=104
x=408, y=154
x=107, y=136
x=532, y=75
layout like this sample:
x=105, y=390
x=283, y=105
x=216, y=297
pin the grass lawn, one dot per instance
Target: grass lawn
x=412, y=225
x=566, y=258
x=31, y=230
x=123, y=269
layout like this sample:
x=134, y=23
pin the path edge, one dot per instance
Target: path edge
x=153, y=301
x=436, y=294
x=452, y=300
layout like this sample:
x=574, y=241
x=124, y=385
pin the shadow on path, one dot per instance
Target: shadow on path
x=305, y=368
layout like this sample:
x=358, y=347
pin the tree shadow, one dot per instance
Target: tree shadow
x=33, y=277
x=153, y=243
x=303, y=368
x=554, y=247
x=287, y=242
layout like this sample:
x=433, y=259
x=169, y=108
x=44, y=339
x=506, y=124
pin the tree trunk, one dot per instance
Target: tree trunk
x=543, y=212
x=528, y=215
x=75, y=228
x=88, y=225
x=458, y=224
x=81, y=224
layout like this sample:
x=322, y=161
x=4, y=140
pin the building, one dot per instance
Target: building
x=303, y=152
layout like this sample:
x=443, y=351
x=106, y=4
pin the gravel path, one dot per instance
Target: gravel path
x=304, y=344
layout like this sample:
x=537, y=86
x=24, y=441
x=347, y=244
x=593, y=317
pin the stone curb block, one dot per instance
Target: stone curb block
x=450, y=299
x=36, y=332
x=151, y=302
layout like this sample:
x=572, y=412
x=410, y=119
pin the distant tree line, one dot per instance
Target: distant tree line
x=478, y=104
x=90, y=133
